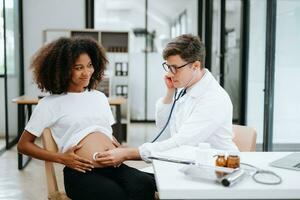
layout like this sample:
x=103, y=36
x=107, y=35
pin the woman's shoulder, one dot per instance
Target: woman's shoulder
x=97, y=93
x=48, y=101
x=51, y=97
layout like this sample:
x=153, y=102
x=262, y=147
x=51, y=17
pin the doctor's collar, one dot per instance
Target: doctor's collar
x=199, y=87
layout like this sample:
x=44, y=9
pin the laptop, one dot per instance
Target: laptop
x=291, y=161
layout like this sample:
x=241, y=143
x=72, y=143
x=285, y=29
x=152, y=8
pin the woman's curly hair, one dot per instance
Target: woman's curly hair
x=53, y=63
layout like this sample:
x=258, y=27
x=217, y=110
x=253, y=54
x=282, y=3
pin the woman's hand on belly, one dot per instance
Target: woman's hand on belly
x=71, y=160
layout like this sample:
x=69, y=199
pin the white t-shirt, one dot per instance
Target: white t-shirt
x=71, y=117
x=203, y=114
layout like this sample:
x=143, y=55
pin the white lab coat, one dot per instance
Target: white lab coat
x=203, y=114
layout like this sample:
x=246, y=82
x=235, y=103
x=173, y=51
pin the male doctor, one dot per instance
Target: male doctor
x=202, y=112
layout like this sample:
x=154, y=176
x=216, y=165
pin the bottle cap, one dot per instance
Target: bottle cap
x=220, y=153
x=233, y=153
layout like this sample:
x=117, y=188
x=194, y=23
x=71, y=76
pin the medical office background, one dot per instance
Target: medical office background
x=253, y=49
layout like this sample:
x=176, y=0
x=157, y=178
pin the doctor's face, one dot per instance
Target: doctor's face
x=179, y=71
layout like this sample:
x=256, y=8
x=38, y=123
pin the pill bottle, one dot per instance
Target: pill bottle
x=233, y=160
x=221, y=160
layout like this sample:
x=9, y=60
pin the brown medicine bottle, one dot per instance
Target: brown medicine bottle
x=233, y=161
x=221, y=160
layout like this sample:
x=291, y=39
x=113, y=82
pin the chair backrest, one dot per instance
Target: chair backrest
x=244, y=138
x=50, y=145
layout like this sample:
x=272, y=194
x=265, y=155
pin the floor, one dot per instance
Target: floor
x=30, y=183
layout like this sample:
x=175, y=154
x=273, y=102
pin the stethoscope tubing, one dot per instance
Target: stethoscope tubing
x=262, y=171
x=176, y=98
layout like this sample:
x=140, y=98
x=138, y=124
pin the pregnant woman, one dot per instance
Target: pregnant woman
x=80, y=120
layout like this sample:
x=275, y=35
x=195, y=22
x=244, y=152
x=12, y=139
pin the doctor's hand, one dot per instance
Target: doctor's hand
x=113, y=157
x=71, y=160
x=170, y=90
x=169, y=83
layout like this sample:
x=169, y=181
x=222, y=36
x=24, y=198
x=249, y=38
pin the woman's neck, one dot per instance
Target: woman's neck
x=76, y=90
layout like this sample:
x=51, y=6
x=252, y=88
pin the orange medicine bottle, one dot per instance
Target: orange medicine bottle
x=221, y=160
x=233, y=160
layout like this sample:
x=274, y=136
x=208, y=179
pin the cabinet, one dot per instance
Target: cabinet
x=116, y=79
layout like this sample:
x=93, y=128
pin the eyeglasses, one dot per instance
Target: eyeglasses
x=173, y=69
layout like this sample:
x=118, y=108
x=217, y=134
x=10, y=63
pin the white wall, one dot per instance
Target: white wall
x=41, y=15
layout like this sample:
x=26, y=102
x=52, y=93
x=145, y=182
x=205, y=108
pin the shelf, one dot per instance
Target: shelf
x=115, y=41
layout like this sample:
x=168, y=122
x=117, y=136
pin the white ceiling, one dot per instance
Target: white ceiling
x=168, y=9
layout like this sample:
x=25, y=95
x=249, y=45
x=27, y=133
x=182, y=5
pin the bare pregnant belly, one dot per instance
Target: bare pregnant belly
x=94, y=142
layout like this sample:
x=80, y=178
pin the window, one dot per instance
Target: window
x=179, y=27
x=256, y=73
x=11, y=14
x=1, y=39
x=286, y=127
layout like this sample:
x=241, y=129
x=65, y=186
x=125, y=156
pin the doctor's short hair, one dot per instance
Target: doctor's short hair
x=189, y=47
x=52, y=64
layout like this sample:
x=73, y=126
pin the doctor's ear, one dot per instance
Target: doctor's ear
x=196, y=65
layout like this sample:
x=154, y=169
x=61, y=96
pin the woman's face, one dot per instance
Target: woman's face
x=81, y=73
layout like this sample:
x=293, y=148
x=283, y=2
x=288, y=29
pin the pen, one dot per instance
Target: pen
x=187, y=162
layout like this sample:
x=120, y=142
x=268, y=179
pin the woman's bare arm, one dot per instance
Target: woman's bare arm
x=27, y=146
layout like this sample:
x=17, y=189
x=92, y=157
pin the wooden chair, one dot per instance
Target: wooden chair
x=244, y=138
x=53, y=191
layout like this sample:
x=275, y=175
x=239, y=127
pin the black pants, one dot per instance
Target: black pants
x=109, y=183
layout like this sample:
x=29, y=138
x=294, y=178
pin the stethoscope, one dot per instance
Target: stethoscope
x=176, y=98
x=262, y=176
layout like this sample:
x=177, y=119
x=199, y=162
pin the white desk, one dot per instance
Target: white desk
x=172, y=184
